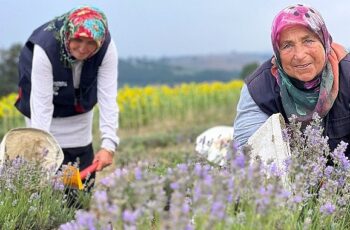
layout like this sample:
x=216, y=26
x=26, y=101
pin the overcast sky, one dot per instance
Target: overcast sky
x=157, y=28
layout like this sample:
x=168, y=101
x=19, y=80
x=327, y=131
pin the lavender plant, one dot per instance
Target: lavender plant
x=238, y=195
x=29, y=198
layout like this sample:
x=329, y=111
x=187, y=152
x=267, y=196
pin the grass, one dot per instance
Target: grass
x=167, y=142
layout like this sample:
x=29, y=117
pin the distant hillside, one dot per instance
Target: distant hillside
x=224, y=67
x=226, y=62
x=144, y=72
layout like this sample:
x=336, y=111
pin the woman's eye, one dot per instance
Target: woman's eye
x=285, y=46
x=77, y=40
x=91, y=43
x=309, y=41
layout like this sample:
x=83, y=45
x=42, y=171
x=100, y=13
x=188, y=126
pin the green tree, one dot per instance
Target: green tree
x=248, y=69
x=8, y=69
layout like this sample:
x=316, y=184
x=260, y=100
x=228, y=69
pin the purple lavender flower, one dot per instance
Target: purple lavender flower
x=138, y=173
x=185, y=208
x=218, y=209
x=189, y=227
x=240, y=160
x=285, y=135
x=327, y=209
x=284, y=194
x=208, y=179
x=69, y=226
x=197, y=169
x=182, y=167
x=274, y=170
x=108, y=181
x=341, y=181
x=57, y=185
x=197, y=192
x=229, y=198
x=265, y=194
x=297, y=199
x=235, y=146
x=130, y=216
x=112, y=209
x=86, y=219
x=100, y=197
x=174, y=185
x=339, y=156
x=328, y=171
x=120, y=172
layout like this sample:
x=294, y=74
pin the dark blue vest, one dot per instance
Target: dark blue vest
x=67, y=101
x=265, y=92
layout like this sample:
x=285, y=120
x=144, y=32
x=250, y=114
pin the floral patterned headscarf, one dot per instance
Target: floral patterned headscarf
x=300, y=15
x=305, y=98
x=84, y=21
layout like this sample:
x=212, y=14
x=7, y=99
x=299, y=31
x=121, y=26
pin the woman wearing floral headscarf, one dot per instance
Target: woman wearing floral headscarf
x=309, y=73
x=66, y=67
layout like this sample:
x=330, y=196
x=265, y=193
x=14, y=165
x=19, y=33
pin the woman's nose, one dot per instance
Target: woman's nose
x=82, y=47
x=299, y=52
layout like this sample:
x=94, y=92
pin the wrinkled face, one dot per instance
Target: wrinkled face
x=82, y=48
x=301, y=52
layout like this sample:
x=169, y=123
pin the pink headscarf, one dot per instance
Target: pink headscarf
x=300, y=15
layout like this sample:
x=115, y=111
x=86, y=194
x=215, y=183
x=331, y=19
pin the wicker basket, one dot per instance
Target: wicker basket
x=33, y=145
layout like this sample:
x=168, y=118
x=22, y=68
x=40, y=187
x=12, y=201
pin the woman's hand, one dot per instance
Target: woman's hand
x=104, y=158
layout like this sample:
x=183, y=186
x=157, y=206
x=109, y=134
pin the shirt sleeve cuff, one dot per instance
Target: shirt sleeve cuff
x=109, y=145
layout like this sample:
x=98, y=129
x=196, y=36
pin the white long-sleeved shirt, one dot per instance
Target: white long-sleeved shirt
x=75, y=131
x=249, y=118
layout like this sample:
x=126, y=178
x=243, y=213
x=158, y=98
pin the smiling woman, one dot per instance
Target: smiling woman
x=302, y=53
x=66, y=67
x=308, y=74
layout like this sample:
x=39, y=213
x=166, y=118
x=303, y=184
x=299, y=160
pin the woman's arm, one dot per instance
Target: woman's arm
x=107, y=95
x=41, y=95
x=248, y=119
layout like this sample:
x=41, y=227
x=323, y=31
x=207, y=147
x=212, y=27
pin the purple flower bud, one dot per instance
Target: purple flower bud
x=129, y=216
x=327, y=209
x=86, y=219
x=328, y=171
x=185, y=208
x=101, y=196
x=240, y=160
x=208, y=179
x=182, y=167
x=197, y=169
x=297, y=199
x=218, y=209
x=138, y=173
x=108, y=181
x=174, y=185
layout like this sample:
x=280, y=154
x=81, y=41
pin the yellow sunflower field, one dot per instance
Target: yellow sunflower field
x=139, y=106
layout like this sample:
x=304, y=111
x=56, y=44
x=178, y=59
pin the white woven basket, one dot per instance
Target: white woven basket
x=33, y=145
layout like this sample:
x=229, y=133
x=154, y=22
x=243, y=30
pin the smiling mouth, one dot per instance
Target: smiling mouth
x=302, y=66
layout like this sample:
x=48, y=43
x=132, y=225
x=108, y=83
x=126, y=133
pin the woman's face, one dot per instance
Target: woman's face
x=82, y=48
x=301, y=52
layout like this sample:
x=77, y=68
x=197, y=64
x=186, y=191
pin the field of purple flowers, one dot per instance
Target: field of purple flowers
x=158, y=182
x=239, y=195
